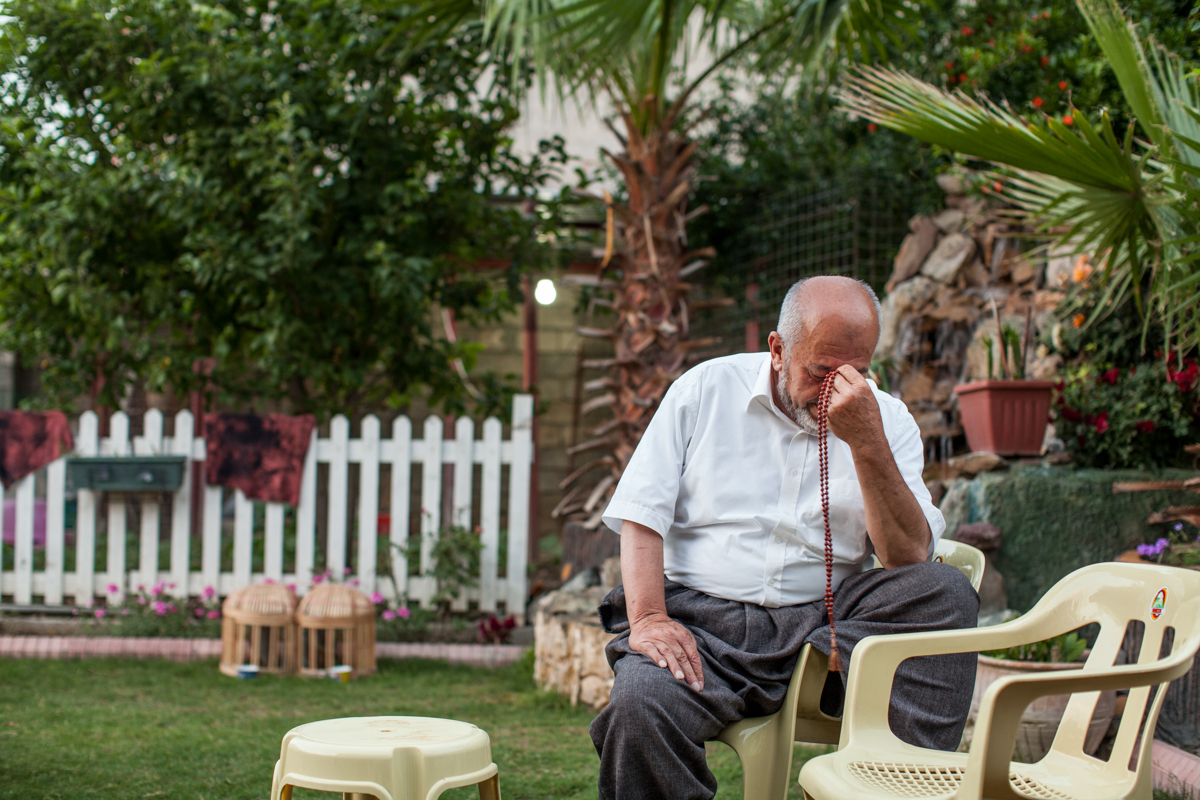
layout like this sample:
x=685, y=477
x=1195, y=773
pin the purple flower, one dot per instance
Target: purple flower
x=1178, y=526
x=214, y=615
x=113, y=588
x=389, y=615
x=1145, y=550
x=1160, y=546
x=377, y=598
x=403, y=613
x=100, y=612
x=208, y=592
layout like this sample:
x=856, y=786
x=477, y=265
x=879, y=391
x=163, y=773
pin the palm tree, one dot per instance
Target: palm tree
x=635, y=55
x=1134, y=201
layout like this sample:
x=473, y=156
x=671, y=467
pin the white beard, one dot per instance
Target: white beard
x=799, y=414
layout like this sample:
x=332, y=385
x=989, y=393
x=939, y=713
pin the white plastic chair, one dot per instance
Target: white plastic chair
x=764, y=744
x=872, y=763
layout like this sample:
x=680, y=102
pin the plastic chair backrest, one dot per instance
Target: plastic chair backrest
x=1167, y=603
x=969, y=560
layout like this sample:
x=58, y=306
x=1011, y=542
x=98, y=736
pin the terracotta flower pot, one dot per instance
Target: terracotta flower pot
x=1039, y=723
x=1007, y=418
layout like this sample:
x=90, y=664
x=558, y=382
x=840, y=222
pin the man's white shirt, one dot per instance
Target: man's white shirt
x=732, y=485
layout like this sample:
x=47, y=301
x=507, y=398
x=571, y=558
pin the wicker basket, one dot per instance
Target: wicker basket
x=336, y=626
x=258, y=628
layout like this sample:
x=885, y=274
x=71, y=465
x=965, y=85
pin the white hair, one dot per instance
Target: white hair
x=794, y=310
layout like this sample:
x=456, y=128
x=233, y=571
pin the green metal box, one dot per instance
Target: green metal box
x=127, y=473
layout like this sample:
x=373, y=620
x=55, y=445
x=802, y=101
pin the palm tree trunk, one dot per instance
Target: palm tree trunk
x=650, y=335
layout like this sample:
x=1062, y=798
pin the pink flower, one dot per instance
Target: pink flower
x=347, y=571
x=124, y=612
x=157, y=589
x=377, y=598
x=199, y=612
x=113, y=588
x=75, y=612
x=353, y=582
x=160, y=608
x=208, y=592
x=100, y=612
x=141, y=600
x=1102, y=422
x=214, y=615
x=1110, y=377
x=172, y=607
x=291, y=587
x=403, y=613
x=318, y=578
x=389, y=615
x=268, y=581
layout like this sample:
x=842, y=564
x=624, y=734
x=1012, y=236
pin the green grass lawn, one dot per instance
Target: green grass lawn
x=126, y=729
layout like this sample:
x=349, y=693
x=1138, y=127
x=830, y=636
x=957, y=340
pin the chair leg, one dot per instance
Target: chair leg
x=490, y=789
x=286, y=792
x=764, y=778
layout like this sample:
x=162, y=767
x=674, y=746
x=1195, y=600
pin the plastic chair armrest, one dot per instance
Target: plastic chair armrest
x=1005, y=701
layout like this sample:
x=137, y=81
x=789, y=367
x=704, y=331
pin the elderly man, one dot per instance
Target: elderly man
x=722, y=550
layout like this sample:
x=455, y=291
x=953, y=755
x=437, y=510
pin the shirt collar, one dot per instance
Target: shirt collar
x=762, y=391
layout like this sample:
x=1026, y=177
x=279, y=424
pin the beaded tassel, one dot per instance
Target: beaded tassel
x=835, y=658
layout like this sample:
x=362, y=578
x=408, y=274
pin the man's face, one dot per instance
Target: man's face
x=801, y=368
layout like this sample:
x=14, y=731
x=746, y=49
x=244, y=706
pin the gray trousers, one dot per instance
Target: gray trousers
x=651, y=736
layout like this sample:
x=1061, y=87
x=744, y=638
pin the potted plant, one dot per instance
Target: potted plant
x=1006, y=416
x=1041, y=719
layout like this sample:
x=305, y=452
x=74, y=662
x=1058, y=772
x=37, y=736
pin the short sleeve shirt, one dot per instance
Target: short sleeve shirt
x=732, y=485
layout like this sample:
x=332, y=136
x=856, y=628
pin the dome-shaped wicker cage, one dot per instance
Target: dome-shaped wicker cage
x=336, y=627
x=258, y=627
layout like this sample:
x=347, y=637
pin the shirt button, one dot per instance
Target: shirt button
x=778, y=540
x=793, y=473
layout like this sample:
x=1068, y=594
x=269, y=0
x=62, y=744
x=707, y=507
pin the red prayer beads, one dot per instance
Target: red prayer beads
x=835, y=659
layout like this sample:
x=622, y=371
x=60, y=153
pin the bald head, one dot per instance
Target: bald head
x=832, y=304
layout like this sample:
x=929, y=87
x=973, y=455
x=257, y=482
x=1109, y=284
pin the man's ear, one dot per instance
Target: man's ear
x=775, y=345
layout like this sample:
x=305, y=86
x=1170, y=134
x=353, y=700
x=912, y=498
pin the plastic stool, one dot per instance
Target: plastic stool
x=388, y=758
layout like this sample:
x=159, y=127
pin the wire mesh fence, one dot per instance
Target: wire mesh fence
x=853, y=226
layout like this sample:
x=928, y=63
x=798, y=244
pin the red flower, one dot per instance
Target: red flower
x=1062, y=85
x=962, y=78
x=1185, y=379
x=1102, y=422
x=950, y=65
x=1045, y=61
x=998, y=186
x=1145, y=426
x=1071, y=415
x=1068, y=119
x=1045, y=15
x=1109, y=377
x=1026, y=49
x=1058, y=387
x=1038, y=102
x=966, y=31
x=872, y=127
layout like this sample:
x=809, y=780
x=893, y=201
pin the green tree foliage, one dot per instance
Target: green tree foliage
x=291, y=188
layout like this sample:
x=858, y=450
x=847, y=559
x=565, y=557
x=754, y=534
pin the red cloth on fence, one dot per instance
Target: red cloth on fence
x=29, y=440
x=261, y=455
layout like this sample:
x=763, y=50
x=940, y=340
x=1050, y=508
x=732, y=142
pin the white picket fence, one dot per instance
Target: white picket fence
x=53, y=584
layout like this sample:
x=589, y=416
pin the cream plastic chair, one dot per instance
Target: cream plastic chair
x=764, y=744
x=388, y=758
x=873, y=763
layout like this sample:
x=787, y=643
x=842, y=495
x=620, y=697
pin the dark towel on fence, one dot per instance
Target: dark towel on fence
x=261, y=455
x=29, y=440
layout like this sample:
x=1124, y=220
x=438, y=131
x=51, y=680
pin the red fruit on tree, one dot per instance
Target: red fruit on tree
x=1045, y=15
x=962, y=78
x=966, y=31
x=1026, y=49
x=872, y=127
x=1045, y=61
x=991, y=20
x=950, y=65
x=1062, y=85
x=1038, y=102
x=998, y=186
x=1068, y=120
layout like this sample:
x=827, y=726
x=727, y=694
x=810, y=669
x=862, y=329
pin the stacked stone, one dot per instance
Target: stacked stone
x=938, y=305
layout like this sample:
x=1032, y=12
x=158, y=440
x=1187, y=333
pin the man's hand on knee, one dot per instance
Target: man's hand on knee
x=670, y=645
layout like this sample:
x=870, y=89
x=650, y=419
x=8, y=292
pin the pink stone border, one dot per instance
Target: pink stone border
x=1175, y=771
x=480, y=655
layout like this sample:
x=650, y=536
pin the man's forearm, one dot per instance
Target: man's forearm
x=642, y=571
x=895, y=521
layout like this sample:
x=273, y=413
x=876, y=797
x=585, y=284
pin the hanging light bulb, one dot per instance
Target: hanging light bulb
x=545, y=292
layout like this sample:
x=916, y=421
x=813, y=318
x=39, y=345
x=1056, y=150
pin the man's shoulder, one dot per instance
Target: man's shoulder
x=740, y=369
x=894, y=412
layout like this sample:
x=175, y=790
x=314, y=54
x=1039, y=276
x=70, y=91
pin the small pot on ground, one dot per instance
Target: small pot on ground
x=1005, y=417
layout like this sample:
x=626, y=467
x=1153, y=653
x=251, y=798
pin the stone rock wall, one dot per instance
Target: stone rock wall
x=569, y=642
x=939, y=304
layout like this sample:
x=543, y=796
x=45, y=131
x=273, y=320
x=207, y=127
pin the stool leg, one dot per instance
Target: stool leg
x=286, y=792
x=358, y=796
x=490, y=789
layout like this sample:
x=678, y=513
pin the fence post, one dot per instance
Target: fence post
x=181, y=504
x=519, y=501
x=85, y=515
x=118, y=445
x=368, y=504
